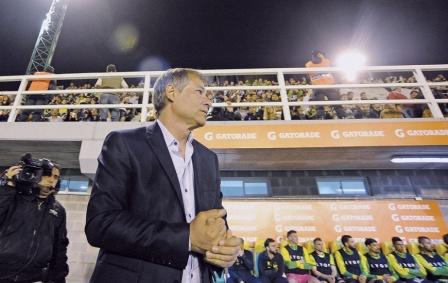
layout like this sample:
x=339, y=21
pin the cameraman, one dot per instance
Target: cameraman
x=33, y=234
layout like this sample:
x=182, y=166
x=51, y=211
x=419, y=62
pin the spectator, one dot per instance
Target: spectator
x=23, y=116
x=324, y=267
x=5, y=100
x=406, y=265
x=242, y=270
x=297, y=260
x=365, y=111
x=83, y=115
x=375, y=110
x=348, y=261
x=426, y=112
x=271, y=267
x=363, y=96
x=230, y=114
x=297, y=113
x=72, y=116
x=414, y=110
x=391, y=111
x=54, y=117
x=4, y=115
x=40, y=99
x=110, y=98
x=327, y=113
x=436, y=267
x=396, y=94
x=376, y=265
x=318, y=60
x=254, y=114
x=93, y=115
x=72, y=86
x=269, y=113
x=151, y=114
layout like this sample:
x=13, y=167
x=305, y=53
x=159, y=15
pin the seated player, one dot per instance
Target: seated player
x=376, y=265
x=348, y=261
x=271, y=267
x=435, y=265
x=323, y=264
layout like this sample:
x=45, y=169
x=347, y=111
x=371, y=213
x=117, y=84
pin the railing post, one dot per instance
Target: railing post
x=145, y=99
x=427, y=93
x=17, y=100
x=283, y=96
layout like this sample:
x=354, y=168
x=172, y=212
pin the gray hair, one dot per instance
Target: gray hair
x=178, y=77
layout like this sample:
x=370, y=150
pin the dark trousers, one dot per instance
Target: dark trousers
x=36, y=113
x=321, y=94
x=109, y=98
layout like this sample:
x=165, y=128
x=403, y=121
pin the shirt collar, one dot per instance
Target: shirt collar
x=348, y=250
x=376, y=256
x=169, y=138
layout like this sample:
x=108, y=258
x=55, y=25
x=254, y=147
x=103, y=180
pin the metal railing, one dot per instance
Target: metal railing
x=416, y=70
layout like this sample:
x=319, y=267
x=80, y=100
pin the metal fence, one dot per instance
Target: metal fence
x=417, y=71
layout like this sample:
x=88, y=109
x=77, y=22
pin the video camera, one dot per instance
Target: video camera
x=32, y=172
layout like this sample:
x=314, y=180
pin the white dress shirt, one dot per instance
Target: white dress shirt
x=185, y=175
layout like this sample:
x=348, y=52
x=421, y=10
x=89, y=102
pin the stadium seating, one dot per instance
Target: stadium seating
x=335, y=245
x=441, y=249
x=387, y=247
x=361, y=248
x=413, y=248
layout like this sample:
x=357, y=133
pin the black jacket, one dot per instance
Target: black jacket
x=243, y=265
x=33, y=237
x=274, y=267
x=136, y=215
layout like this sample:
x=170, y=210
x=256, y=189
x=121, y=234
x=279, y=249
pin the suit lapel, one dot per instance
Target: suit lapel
x=155, y=139
x=197, y=168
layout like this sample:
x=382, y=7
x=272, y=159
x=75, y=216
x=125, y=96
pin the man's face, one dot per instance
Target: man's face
x=272, y=248
x=427, y=245
x=319, y=246
x=350, y=244
x=378, y=107
x=191, y=104
x=365, y=108
x=400, y=247
x=374, y=248
x=48, y=183
x=293, y=239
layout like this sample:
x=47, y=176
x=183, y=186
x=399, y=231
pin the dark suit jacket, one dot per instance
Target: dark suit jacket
x=136, y=215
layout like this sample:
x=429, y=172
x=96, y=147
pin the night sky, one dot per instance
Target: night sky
x=222, y=34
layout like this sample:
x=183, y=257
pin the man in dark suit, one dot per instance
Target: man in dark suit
x=155, y=211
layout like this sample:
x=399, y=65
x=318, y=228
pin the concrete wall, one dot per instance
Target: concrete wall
x=383, y=183
x=81, y=255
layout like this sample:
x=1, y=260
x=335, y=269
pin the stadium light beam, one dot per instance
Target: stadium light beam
x=350, y=62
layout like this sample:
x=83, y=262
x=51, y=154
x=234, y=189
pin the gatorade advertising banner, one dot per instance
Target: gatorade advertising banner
x=315, y=134
x=330, y=219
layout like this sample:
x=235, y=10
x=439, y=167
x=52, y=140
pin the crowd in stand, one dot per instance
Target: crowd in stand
x=346, y=261
x=348, y=111
x=231, y=113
